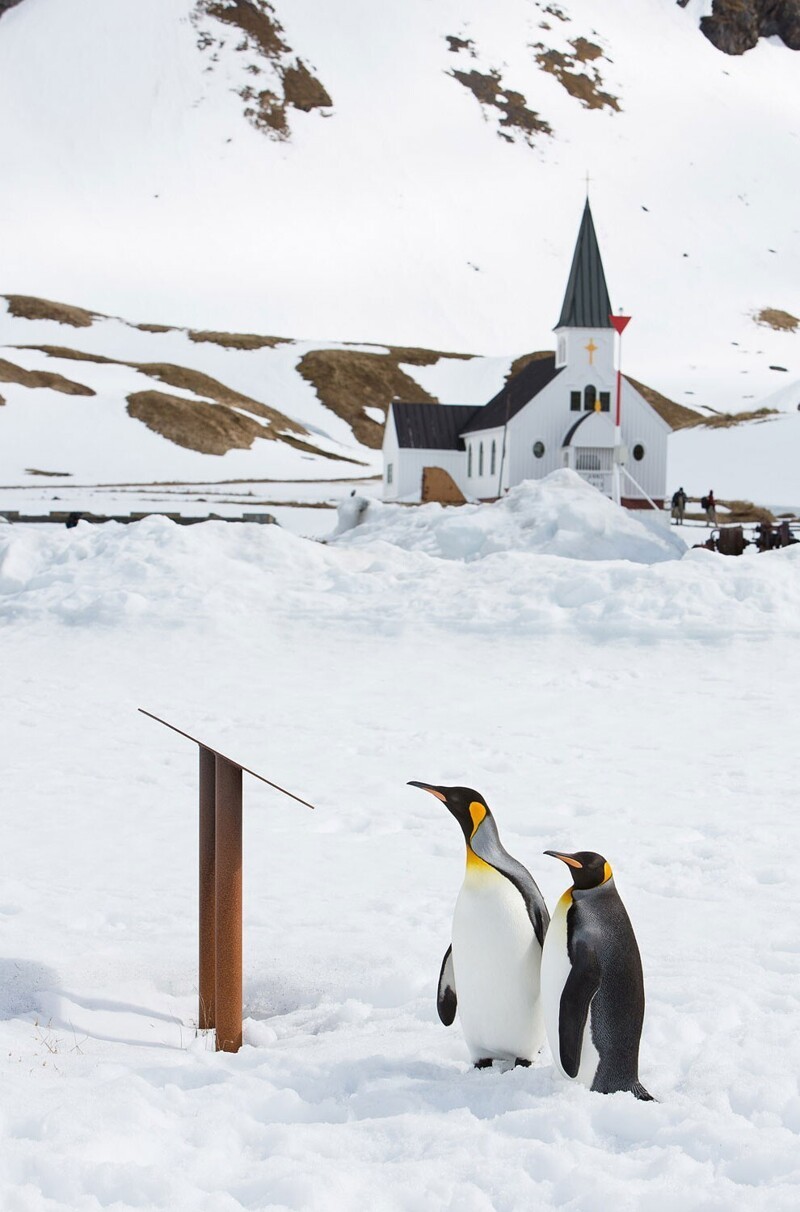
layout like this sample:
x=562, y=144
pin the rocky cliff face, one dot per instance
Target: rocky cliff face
x=735, y=26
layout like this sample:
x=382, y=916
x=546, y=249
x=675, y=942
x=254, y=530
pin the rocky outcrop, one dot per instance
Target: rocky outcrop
x=735, y=26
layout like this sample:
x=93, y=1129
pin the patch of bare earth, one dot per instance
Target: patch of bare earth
x=348, y=381
x=63, y=351
x=194, y=424
x=10, y=373
x=29, y=307
x=516, y=121
x=773, y=317
x=237, y=340
x=261, y=39
x=584, y=86
x=35, y=471
x=155, y=328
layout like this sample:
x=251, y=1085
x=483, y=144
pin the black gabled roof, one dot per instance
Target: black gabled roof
x=431, y=426
x=586, y=303
x=516, y=393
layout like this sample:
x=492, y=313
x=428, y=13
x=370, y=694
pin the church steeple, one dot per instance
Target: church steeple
x=586, y=302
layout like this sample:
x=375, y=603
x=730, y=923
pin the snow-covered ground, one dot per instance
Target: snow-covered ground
x=643, y=709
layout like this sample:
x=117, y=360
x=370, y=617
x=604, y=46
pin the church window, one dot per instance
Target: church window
x=469, y=461
x=605, y=401
x=480, y=458
x=389, y=472
x=562, y=350
x=575, y=401
x=638, y=452
x=589, y=397
x=538, y=449
x=493, y=464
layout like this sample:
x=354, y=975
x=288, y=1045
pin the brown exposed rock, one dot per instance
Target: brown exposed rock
x=263, y=36
x=773, y=317
x=304, y=91
x=517, y=119
x=726, y=420
x=585, y=87
x=237, y=340
x=194, y=424
x=29, y=307
x=458, y=44
x=9, y=373
x=155, y=328
x=735, y=26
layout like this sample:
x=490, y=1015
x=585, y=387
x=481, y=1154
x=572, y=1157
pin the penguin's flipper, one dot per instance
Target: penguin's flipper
x=576, y=997
x=446, y=1000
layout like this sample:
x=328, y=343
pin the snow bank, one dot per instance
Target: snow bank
x=561, y=515
x=157, y=574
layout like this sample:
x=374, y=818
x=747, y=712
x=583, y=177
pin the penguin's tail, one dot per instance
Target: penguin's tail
x=638, y=1091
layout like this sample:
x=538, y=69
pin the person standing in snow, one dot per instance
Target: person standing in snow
x=679, y=506
x=711, y=508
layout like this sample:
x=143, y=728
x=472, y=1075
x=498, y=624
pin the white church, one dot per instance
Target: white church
x=558, y=411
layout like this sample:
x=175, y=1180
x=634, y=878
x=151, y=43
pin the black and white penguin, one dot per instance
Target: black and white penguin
x=592, y=984
x=490, y=972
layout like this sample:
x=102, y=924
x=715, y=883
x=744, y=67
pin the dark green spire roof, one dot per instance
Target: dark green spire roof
x=586, y=303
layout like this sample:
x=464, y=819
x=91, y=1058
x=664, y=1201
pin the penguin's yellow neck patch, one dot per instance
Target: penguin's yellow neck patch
x=565, y=901
x=607, y=873
x=477, y=813
x=475, y=863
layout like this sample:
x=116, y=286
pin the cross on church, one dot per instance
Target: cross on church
x=591, y=349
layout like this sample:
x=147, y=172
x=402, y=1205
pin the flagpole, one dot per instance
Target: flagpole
x=619, y=323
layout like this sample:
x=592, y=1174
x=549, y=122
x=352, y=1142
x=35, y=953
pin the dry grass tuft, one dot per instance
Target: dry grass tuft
x=237, y=340
x=155, y=327
x=29, y=307
x=303, y=91
x=525, y=360
x=726, y=420
x=71, y=355
x=204, y=385
x=517, y=119
x=9, y=373
x=348, y=381
x=773, y=317
x=194, y=424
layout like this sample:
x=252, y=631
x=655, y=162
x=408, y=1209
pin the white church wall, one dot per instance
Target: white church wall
x=571, y=346
x=643, y=428
x=482, y=460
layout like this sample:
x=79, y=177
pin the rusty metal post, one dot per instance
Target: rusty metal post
x=207, y=890
x=228, y=850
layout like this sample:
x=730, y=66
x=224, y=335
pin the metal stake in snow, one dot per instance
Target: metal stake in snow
x=619, y=323
x=220, y=899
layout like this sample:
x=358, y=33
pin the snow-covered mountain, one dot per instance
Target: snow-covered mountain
x=405, y=174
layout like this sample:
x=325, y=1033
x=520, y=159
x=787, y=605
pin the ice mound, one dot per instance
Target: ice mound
x=560, y=515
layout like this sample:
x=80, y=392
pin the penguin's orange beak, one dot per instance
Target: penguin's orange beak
x=565, y=858
x=427, y=787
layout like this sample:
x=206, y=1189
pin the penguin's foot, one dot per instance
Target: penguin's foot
x=522, y=1063
x=485, y=1062
x=638, y=1091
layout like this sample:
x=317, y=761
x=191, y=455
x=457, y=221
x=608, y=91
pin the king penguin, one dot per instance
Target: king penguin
x=592, y=984
x=490, y=971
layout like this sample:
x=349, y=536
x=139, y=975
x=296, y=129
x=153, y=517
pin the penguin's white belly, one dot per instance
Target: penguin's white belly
x=556, y=968
x=496, y=962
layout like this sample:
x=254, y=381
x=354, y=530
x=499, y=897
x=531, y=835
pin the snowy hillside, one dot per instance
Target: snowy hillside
x=643, y=709
x=198, y=174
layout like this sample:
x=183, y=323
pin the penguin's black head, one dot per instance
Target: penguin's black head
x=467, y=806
x=588, y=870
